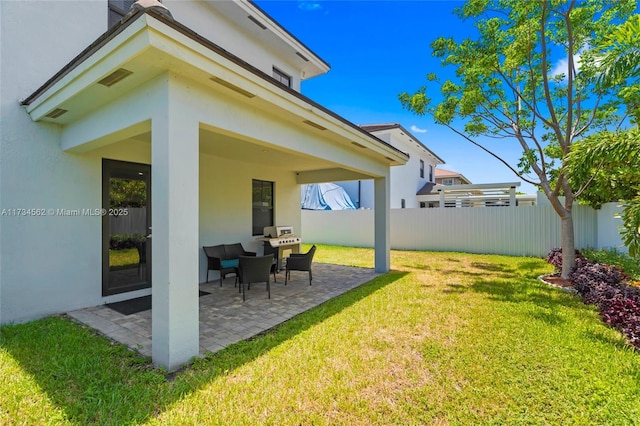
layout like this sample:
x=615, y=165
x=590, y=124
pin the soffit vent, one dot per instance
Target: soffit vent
x=258, y=23
x=312, y=124
x=56, y=113
x=115, y=77
x=232, y=87
x=302, y=56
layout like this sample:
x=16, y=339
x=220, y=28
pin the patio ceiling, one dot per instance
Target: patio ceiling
x=239, y=149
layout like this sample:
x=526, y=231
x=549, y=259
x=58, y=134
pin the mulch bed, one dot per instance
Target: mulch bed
x=556, y=280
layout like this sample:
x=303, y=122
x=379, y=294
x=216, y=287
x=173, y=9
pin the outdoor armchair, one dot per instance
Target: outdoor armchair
x=224, y=258
x=256, y=269
x=299, y=262
x=217, y=261
x=234, y=251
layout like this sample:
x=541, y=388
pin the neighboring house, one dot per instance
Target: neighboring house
x=190, y=115
x=407, y=179
x=448, y=177
x=452, y=189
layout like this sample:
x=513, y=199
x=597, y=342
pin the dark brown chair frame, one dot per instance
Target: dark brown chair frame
x=222, y=252
x=255, y=269
x=299, y=262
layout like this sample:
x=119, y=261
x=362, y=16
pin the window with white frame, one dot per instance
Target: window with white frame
x=448, y=181
x=422, y=168
x=430, y=173
x=282, y=77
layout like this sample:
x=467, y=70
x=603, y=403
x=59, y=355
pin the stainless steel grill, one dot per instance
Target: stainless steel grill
x=280, y=240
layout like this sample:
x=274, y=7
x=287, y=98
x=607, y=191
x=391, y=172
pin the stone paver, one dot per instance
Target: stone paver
x=224, y=318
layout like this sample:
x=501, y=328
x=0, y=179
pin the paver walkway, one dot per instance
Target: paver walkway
x=224, y=317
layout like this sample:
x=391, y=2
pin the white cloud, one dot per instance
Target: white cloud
x=562, y=66
x=416, y=129
x=309, y=5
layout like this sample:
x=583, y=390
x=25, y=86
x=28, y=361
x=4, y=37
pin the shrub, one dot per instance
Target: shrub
x=586, y=272
x=555, y=257
x=615, y=257
x=605, y=286
x=623, y=313
x=125, y=241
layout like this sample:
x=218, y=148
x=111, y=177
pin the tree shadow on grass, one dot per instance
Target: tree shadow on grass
x=523, y=290
x=603, y=336
x=492, y=267
x=97, y=381
x=532, y=268
x=456, y=288
x=548, y=300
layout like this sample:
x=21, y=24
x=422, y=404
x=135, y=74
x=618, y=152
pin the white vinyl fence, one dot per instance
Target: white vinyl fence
x=521, y=231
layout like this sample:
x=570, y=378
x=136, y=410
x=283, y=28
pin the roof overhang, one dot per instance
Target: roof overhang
x=402, y=132
x=147, y=45
x=255, y=20
x=477, y=187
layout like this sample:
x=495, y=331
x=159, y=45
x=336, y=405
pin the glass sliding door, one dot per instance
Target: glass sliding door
x=126, y=226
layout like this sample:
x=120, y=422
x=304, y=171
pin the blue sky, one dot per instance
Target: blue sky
x=378, y=49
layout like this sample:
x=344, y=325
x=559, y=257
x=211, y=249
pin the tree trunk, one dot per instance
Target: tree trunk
x=568, y=243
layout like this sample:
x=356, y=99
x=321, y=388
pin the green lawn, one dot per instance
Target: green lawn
x=125, y=257
x=445, y=338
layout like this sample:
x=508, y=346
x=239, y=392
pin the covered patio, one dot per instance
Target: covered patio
x=208, y=125
x=224, y=318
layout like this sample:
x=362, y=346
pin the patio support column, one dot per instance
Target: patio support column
x=382, y=234
x=174, y=177
x=512, y=196
x=441, y=194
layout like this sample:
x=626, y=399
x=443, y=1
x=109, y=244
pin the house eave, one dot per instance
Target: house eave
x=150, y=44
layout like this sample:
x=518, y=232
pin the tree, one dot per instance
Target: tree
x=506, y=87
x=611, y=160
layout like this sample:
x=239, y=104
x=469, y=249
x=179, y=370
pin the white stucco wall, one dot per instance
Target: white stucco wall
x=33, y=46
x=51, y=264
x=405, y=179
x=226, y=204
x=211, y=24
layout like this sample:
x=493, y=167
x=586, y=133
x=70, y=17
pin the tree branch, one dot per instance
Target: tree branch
x=497, y=157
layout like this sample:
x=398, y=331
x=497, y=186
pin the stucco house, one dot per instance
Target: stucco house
x=407, y=179
x=192, y=111
x=450, y=177
x=453, y=189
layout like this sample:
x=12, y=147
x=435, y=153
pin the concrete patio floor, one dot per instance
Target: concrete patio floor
x=224, y=317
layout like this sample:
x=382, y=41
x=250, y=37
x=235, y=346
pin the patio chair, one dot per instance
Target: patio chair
x=299, y=262
x=255, y=269
x=234, y=251
x=217, y=261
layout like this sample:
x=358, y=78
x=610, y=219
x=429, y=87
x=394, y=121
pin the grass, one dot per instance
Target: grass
x=124, y=257
x=445, y=338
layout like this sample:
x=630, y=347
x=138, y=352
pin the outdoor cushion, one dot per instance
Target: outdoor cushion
x=231, y=263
